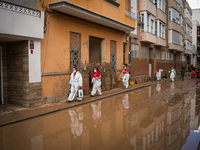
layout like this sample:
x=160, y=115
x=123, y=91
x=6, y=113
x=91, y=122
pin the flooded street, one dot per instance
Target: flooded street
x=159, y=117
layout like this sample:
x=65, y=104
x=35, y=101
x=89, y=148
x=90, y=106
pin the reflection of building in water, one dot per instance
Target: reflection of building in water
x=76, y=122
x=96, y=108
x=194, y=112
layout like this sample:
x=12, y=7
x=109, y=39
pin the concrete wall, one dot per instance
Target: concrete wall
x=18, y=24
x=26, y=3
x=20, y=92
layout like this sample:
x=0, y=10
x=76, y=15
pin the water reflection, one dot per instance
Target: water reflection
x=140, y=120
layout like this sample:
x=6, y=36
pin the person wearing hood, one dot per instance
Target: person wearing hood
x=96, y=80
x=172, y=73
x=158, y=73
x=76, y=82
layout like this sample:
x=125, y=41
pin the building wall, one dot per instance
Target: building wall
x=20, y=91
x=55, y=51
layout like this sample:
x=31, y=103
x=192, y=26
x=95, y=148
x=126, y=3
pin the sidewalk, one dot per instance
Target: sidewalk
x=10, y=113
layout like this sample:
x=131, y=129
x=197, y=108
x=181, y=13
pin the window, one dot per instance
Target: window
x=134, y=50
x=163, y=32
x=161, y=5
x=142, y=25
x=183, y=58
x=173, y=15
x=167, y=56
x=160, y=28
x=171, y=56
x=144, y=52
x=156, y=28
x=157, y=54
x=163, y=55
x=176, y=37
x=152, y=23
x=148, y=22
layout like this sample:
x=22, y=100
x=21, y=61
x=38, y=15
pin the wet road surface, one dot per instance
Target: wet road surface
x=159, y=117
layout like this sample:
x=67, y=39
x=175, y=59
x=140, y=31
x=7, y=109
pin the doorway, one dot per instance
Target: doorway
x=95, y=50
x=1, y=76
x=95, y=55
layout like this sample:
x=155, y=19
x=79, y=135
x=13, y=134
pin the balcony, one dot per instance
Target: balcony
x=147, y=5
x=174, y=4
x=160, y=15
x=189, y=52
x=187, y=21
x=176, y=47
x=187, y=37
x=72, y=9
x=148, y=37
x=160, y=42
x=130, y=14
x=188, y=6
x=174, y=26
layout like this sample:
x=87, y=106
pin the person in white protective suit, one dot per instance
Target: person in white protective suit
x=125, y=77
x=76, y=82
x=76, y=122
x=96, y=114
x=158, y=73
x=172, y=74
x=96, y=80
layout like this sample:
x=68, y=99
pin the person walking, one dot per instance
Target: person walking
x=76, y=82
x=158, y=73
x=96, y=80
x=125, y=77
x=172, y=74
x=183, y=72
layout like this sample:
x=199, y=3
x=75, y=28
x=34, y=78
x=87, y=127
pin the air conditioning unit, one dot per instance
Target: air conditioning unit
x=140, y=20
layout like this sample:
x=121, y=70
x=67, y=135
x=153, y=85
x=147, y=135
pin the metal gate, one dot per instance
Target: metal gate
x=113, y=60
x=75, y=50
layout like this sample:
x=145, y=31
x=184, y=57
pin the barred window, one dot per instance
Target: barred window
x=157, y=54
x=134, y=50
x=167, y=56
x=144, y=52
x=163, y=55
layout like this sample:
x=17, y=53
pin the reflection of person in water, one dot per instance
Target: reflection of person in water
x=158, y=87
x=96, y=114
x=172, y=86
x=76, y=122
x=125, y=104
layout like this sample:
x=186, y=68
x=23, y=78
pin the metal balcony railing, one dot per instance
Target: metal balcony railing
x=130, y=14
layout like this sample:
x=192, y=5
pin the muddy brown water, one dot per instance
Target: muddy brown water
x=164, y=116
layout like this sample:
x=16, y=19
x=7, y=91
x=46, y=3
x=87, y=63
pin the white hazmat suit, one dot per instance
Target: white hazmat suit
x=158, y=74
x=75, y=82
x=96, y=86
x=172, y=74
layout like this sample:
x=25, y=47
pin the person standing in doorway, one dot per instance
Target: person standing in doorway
x=126, y=75
x=96, y=80
x=158, y=73
x=182, y=72
x=172, y=74
x=76, y=82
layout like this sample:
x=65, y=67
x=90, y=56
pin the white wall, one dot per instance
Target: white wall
x=19, y=24
x=35, y=62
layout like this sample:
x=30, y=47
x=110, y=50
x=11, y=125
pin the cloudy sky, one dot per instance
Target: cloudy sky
x=194, y=3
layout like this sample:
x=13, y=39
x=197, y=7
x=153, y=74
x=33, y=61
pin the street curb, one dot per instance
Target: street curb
x=81, y=103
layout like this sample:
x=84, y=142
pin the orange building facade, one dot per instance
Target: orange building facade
x=85, y=34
